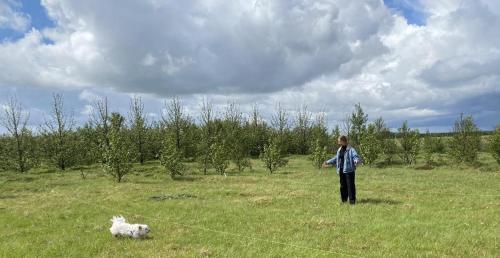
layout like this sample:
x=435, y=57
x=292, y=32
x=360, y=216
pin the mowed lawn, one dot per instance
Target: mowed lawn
x=401, y=211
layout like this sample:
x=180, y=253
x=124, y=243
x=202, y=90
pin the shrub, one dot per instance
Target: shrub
x=466, y=141
x=117, y=155
x=410, y=143
x=219, y=156
x=171, y=159
x=319, y=154
x=271, y=156
x=494, y=144
x=428, y=148
x=370, y=145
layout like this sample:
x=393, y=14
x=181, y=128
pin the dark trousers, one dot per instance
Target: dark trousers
x=347, y=187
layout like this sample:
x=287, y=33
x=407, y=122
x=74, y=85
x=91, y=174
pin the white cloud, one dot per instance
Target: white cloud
x=11, y=19
x=327, y=55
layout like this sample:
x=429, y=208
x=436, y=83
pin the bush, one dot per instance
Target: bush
x=370, y=145
x=389, y=150
x=319, y=154
x=171, y=159
x=428, y=148
x=494, y=144
x=466, y=141
x=410, y=143
x=219, y=156
x=271, y=156
x=117, y=155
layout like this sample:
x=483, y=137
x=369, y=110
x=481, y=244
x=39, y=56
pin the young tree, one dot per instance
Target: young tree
x=207, y=128
x=281, y=128
x=138, y=128
x=494, y=144
x=117, y=155
x=171, y=158
x=370, y=145
x=58, y=131
x=87, y=145
x=15, y=120
x=334, y=137
x=465, y=144
x=319, y=131
x=358, y=125
x=272, y=157
x=302, y=130
x=428, y=147
x=256, y=132
x=389, y=150
x=178, y=125
x=410, y=143
x=319, y=154
x=236, y=138
x=100, y=119
x=219, y=154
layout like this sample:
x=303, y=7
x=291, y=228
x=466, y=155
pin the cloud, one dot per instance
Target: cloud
x=172, y=47
x=12, y=19
x=327, y=55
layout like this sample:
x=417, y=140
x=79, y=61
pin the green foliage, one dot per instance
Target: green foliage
x=389, y=150
x=138, y=129
x=88, y=145
x=494, y=144
x=219, y=154
x=236, y=138
x=117, y=155
x=370, y=145
x=181, y=127
x=281, y=130
x=256, y=131
x=171, y=158
x=465, y=144
x=59, y=140
x=207, y=133
x=428, y=148
x=301, y=133
x=319, y=154
x=271, y=156
x=410, y=143
x=357, y=128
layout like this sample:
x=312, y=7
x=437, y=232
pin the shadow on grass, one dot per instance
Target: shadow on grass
x=8, y=197
x=186, y=179
x=378, y=201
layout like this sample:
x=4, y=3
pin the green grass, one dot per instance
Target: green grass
x=401, y=211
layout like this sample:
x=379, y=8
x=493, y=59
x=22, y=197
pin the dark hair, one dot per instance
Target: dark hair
x=343, y=138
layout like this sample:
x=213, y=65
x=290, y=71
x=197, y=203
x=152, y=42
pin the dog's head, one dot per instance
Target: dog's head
x=143, y=229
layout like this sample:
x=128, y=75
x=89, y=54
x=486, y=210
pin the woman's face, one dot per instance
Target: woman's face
x=342, y=143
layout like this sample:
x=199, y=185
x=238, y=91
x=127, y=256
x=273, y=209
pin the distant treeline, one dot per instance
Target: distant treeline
x=116, y=140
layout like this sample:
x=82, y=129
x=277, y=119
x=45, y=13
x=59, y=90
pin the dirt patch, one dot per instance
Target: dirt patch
x=321, y=223
x=262, y=200
x=173, y=197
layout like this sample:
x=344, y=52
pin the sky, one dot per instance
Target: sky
x=423, y=61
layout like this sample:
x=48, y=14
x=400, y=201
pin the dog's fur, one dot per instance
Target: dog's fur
x=120, y=227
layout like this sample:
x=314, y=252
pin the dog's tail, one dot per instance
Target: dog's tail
x=118, y=219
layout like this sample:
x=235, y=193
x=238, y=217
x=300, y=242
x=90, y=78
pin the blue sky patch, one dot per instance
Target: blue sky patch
x=410, y=9
x=38, y=17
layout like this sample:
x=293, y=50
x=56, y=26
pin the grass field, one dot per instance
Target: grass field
x=401, y=211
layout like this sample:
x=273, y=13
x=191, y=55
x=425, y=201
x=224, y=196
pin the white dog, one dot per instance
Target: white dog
x=120, y=227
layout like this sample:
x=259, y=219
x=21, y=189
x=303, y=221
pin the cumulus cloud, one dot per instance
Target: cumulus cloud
x=326, y=54
x=12, y=19
x=185, y=47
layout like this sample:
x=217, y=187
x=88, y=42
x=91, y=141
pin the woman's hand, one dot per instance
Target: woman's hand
x=325, y=165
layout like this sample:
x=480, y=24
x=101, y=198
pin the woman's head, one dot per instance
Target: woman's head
x=342, y=140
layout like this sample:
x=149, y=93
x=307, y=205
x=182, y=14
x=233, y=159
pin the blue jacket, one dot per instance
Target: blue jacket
x=351, y=159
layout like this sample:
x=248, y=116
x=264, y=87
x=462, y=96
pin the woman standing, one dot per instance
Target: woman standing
x=346, y=161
